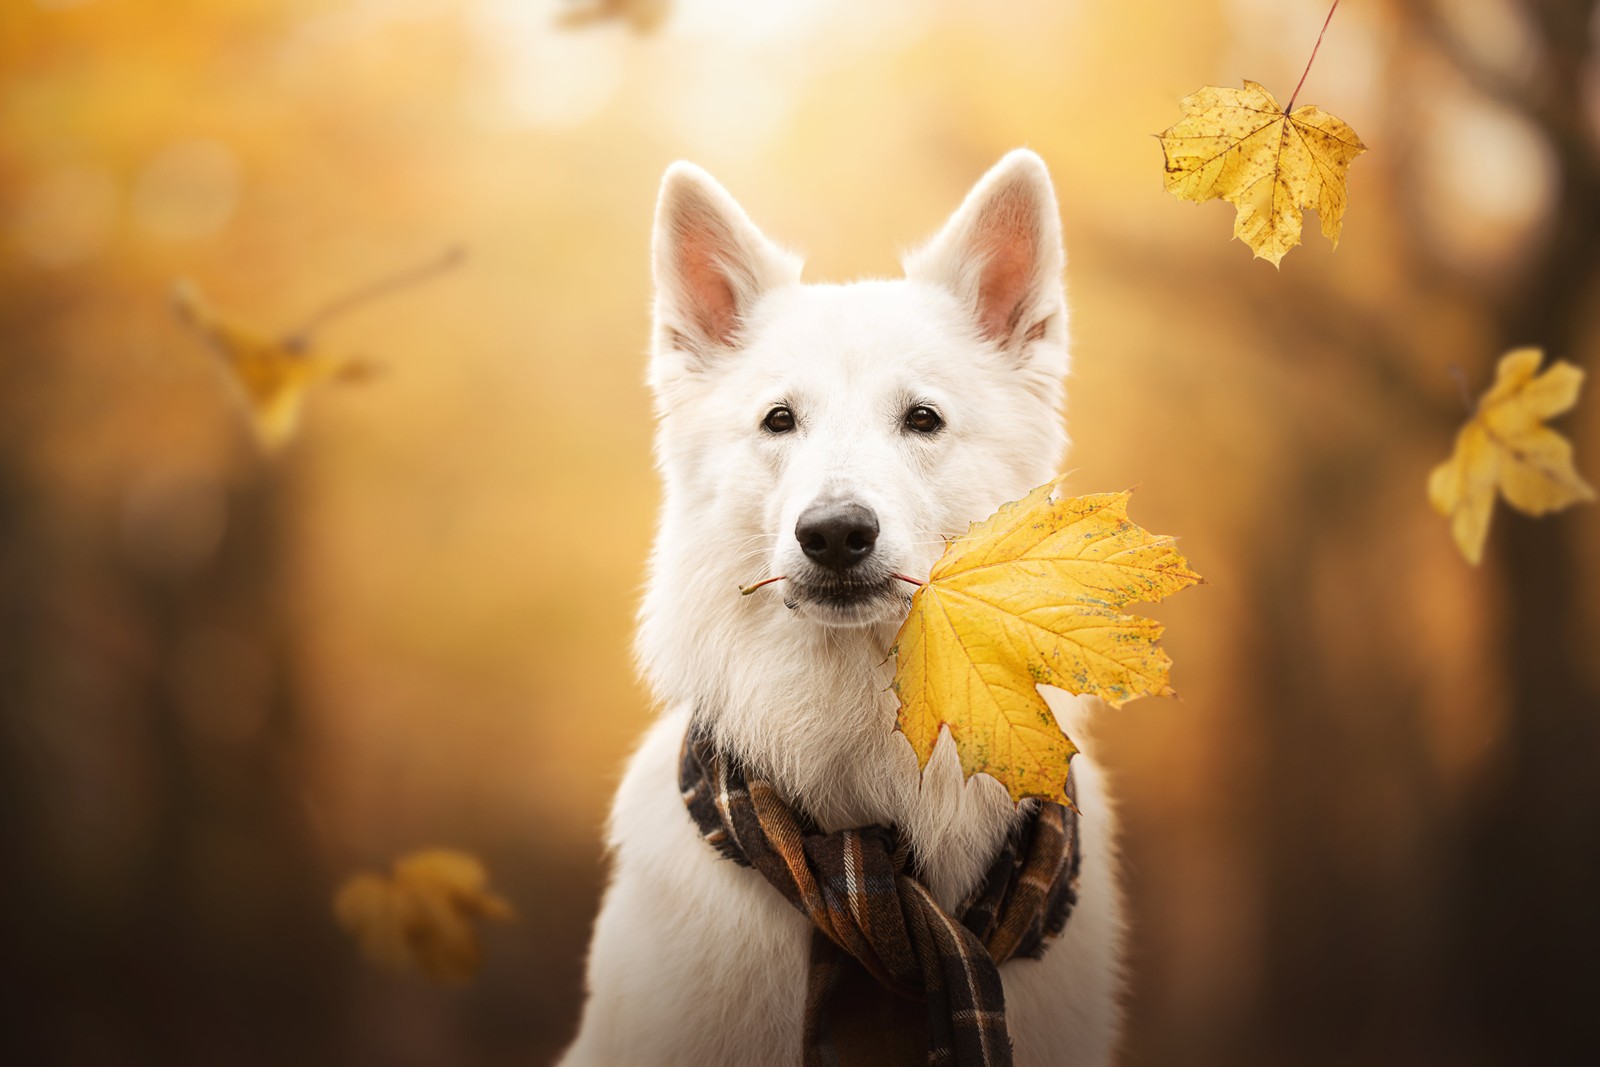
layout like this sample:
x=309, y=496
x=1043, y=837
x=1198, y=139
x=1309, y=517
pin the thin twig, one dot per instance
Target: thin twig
x=1313, y=58
x=746, y=590
x=451, y=258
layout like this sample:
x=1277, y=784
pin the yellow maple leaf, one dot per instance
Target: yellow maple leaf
x=1506, y=446
x=270, y=375
x=1238, y=145
x=421, y=919
x=1029, y=596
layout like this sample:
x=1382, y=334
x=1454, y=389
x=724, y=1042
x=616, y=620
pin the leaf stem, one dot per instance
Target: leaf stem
x=1460, y=377
x=1313, y=58
x=746, y=590
x=451, y=258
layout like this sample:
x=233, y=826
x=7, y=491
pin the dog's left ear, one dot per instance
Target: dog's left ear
x=1001, y=253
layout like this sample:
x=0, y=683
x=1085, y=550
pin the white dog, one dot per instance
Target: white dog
x=805, y=429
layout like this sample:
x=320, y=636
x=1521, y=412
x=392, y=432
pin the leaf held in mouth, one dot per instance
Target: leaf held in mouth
x=1032, y=595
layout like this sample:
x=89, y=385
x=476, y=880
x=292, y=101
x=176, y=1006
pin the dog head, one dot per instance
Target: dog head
x=837, y=435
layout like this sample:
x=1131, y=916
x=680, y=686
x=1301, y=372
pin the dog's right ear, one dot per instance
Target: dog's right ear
x=711, y=266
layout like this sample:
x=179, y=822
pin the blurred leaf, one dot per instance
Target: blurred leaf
x=1029, y=596
x=643, y=15
x=1506, y=445
x=1238, y=145
x=272, y=375
x=422, y=918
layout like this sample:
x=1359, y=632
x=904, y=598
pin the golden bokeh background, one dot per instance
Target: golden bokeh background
x=1369, y=833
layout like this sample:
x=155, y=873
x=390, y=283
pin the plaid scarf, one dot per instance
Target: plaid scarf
x=894, y=978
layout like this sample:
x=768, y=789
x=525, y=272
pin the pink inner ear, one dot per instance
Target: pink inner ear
x=706, y=288
x=1007, y=239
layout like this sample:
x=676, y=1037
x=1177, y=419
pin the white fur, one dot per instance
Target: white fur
x=695, y=960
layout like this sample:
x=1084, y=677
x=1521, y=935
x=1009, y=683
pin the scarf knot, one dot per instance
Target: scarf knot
x=894, y=978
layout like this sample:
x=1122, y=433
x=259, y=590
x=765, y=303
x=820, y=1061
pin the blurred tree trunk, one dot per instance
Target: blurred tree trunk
x=1500, y=895
x=1526, y=878
x=234, y=891
x=207, y=936
x=1531, y=844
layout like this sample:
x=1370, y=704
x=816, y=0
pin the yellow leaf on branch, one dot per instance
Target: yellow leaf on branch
x=270, y=375
x=422, y=918
x=1031, y=596
x=1238, y=145
x=1505, y=446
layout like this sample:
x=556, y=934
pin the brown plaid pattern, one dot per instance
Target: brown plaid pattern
x=894, y=978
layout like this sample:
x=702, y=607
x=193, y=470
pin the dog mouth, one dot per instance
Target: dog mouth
x=850, y=598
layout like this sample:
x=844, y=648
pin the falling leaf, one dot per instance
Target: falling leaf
x=270, y=375
x=421, y=919
x=1238, y=145
x=643, y=15
x=1505, y=445
x=1030, y=596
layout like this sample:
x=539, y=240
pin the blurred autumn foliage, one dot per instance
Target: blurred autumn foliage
x=1368, y=835
x=423, y=917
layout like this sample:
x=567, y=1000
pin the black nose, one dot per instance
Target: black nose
x=837, y=534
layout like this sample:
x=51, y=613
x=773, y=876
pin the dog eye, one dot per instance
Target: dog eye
x=779, y=420
x=923, y=419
